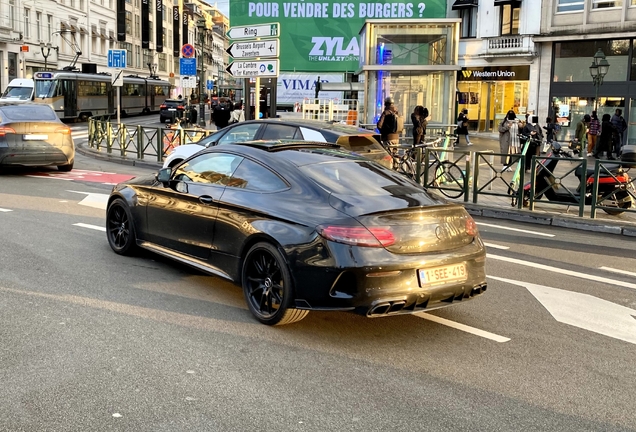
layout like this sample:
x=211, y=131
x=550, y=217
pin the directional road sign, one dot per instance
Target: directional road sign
x=117, y=59
x=187, y=66
x=250, y=49
x=254, y=31
x=253, y=68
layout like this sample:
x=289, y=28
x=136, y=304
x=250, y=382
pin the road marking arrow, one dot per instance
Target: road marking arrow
x=584, y=311
x=95, y=200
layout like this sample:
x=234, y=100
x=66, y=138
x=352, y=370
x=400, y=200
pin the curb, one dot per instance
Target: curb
x=573, y=222
x=109, y=157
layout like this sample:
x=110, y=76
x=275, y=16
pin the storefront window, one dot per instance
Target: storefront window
x=570, y=110
x=488, y=102
x=604, y=4
x=573, y=59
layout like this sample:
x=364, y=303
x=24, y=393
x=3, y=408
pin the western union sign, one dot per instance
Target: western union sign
x=495, y=73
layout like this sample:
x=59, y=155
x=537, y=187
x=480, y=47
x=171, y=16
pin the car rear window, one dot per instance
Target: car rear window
x=27, y=113
x=359, y=178
x=360, y=143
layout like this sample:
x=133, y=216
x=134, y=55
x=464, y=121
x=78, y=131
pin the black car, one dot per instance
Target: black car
x=361, y=141
x=303, y=226
x=171, y=109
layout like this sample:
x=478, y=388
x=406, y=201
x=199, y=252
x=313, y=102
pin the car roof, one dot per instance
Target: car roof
x=335, y=127
x=174, y=100
x=280, y=145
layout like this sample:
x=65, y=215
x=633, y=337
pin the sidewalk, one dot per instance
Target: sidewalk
x=488, y=206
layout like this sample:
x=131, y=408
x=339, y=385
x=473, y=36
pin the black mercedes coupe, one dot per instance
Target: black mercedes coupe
x=304, y=226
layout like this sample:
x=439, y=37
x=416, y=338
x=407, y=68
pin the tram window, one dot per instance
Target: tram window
x=160, y=91
x=44, y=88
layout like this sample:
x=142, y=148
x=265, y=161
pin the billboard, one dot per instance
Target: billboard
x=294, y=87
x=323, y=36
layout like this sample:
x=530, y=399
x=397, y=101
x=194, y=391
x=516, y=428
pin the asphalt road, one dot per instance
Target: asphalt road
x=91, y=340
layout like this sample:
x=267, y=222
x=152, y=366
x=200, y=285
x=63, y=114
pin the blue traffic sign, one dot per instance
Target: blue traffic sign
x=116, y=59
x=187, y=66
x=209, y=85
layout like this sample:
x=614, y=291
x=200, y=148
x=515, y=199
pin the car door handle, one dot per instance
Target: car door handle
x=206, y=199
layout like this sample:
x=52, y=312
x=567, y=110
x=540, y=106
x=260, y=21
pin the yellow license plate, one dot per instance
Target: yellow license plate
x=444, y=274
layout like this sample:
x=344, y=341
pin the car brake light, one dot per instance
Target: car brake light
x=6, y=130
x=65, y=130
x=358, y=236
x=180, y=107
x=471, y=227
x=162, y=106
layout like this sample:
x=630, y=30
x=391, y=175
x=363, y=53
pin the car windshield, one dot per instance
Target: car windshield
x=27, y=113
x=359, y=178
x=44, y=88
x=210, y=138
x=20, y=93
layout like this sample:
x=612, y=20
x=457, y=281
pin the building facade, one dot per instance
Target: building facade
x=572, y=33
x=499, y=58
x=54, y=34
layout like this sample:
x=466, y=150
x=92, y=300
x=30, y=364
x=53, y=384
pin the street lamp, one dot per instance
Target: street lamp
x=46, y=52
x=598, y=70
x=203, y=31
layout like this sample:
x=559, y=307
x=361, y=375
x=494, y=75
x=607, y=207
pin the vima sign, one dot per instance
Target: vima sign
x=295, y=87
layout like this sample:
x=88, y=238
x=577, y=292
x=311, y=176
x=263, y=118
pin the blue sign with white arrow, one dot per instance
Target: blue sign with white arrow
x=117, y=59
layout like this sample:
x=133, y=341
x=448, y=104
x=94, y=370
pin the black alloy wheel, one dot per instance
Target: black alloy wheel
x=120, y=229
x=267, y=286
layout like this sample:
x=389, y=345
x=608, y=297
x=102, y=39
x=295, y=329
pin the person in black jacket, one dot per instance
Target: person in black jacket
x=462, y=126
x=604, y=143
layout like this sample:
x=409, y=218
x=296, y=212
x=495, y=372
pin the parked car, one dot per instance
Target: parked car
x=171, y=109
x=32, y=135
x=361, y=141
x=303, y=226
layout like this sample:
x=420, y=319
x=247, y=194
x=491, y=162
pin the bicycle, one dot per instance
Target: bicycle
x=449, y=177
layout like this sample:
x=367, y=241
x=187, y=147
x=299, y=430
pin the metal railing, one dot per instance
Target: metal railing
x=436, y=176
x=345, y=110
x=555, y=181
x=142, y=141
x=514, y=190
x=620, y=197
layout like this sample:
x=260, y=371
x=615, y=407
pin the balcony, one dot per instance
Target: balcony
x=508, y=46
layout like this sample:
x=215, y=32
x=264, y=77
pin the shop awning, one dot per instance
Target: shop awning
x=103, y=34
x=112, y=37
x=514, y=3
x=94, y=32
x=464, y=4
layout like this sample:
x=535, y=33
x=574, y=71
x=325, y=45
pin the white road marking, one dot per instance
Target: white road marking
x=495, y=246
x=462, y=327
x=94, y=227
x=563, y=271
x=584, y=311
x=625, y=272
x=5, y=210
x=95, y=200
x=515, y=229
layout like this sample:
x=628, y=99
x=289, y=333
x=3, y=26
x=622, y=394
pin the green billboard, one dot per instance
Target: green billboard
x=318, y=37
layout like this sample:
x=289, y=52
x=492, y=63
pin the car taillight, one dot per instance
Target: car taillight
x=162, y=106
x=65, y=130
x=181, y=107
x=358, y=236
x=471, y=227
x=6, y=130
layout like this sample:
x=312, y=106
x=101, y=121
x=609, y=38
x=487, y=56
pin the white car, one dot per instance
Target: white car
x=362, y=141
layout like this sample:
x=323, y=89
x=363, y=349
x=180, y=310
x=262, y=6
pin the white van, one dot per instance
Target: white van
x=18, y=90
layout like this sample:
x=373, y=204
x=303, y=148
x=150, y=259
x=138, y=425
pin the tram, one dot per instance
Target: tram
x=78, y=95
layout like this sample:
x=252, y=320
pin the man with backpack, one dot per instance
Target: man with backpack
x=388, y=124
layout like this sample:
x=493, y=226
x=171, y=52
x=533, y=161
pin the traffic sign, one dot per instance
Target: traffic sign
x=187, y=66
x=209, y=85
x=253, y=68
x=271, y=30
x=117, y=59
x=187, y=50
x=188, y=81
x=117, y=79
x=249, y=49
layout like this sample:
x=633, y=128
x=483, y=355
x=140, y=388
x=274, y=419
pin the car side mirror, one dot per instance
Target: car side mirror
x=210, y=144
x=163, y=176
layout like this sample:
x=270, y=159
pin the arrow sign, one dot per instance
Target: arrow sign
x=253, y=68
x=584, y=311
x=250, y=49
x=271, y=30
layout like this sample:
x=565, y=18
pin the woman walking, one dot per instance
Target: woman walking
x=462, y=126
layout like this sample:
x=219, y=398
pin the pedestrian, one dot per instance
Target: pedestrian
x=592, y=133
x=580, y=134
x=550, y=132
x=604, y=143
x=388, y=124
x=462, y=126
x=620, y=126
x=418, y=119
x=237, y=115
x=508, y=138
x=221, y=114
